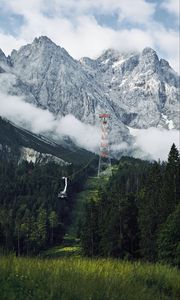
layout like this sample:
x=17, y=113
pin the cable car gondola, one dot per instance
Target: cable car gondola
x=63, y=193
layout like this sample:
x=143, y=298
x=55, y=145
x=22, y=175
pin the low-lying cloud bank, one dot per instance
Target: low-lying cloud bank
x=154, y=143
x=44, y=122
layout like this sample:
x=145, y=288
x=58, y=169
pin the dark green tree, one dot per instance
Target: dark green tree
x=171, y=187
x=169, y=239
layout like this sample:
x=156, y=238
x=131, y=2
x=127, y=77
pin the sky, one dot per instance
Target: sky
x=88, y=27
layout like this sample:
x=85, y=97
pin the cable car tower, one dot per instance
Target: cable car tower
x=104, y=167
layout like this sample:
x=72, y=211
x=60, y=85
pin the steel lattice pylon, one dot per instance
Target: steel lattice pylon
x=104, y=165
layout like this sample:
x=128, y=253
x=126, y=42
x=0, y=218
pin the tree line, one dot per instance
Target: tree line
x=137, y=214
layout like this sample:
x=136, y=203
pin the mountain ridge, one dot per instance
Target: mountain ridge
x=139, y=90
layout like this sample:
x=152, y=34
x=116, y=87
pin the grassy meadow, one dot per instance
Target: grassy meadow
x=76, y=278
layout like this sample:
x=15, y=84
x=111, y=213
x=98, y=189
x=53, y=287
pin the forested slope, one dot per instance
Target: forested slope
x=32, y=217
x=137, y=214
x=13, y=138
x=133, y=215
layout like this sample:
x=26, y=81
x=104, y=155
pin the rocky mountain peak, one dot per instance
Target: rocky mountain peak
x=109, y=53
x=43, y=40
x=148, y=51
x=164, y=63
x=41, y=50
x=137, y=89
x=149, y=59
x=36, y=48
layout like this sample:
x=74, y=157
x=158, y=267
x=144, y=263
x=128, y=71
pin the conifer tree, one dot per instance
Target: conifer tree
x=171, y=183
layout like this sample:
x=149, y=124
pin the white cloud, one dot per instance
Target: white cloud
x=24, y=7
x=172, y=6
x=85, y=135
x=8, y=42
x=120, y=147
x=156, y=142
x=72, y=25
x=44, y=122
x=168, y=41
x=138, y=13
x=92, y=37
x=87, y=38
x=25, y=114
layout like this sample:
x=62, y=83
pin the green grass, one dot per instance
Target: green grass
x=62, y=251
x=85, y=279
x=70, y=247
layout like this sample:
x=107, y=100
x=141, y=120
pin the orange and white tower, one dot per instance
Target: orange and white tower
x=104, y=166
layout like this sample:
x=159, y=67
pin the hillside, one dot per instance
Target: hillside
x=135, y=215
x=19, y=144
x=114, y=232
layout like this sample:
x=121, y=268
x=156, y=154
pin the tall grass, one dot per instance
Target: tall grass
x=85, y=279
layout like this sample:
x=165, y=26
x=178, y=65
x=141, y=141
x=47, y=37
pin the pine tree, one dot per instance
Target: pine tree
x=171, y=183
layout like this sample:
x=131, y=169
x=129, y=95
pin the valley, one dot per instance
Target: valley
x=113, y=235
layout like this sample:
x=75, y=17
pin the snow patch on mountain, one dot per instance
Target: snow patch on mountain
x=105, y=62
x=117, y=63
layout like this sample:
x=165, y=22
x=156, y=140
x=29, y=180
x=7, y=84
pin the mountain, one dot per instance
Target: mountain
x=18, y=144
x=144, y=90
x=138, y=89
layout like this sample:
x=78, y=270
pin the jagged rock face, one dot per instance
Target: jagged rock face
x=50, y=78
x=142, y=87
x=137, y=89
x=57, y=81
x=3, y=57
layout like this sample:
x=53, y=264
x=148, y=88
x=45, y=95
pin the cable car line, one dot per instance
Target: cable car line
x=63, y=194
